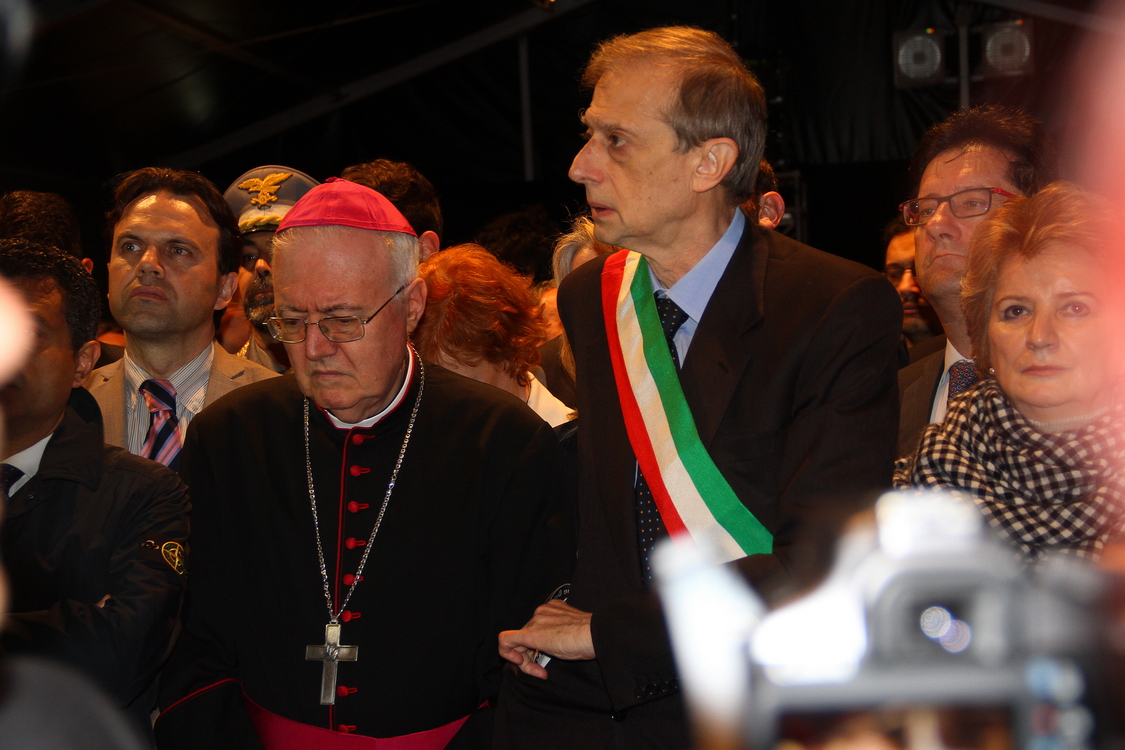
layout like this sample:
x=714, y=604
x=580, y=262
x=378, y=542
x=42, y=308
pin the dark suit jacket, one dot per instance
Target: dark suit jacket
x=791, y=380
x=917, y=386
x=927, y=347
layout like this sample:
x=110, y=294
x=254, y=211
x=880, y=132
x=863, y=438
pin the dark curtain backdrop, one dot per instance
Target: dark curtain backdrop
x=835, y=115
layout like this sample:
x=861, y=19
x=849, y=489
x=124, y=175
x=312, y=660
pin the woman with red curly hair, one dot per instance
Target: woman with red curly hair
x=482, y=322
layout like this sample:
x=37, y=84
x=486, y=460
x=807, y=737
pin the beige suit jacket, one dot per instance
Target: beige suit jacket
x=107, y=385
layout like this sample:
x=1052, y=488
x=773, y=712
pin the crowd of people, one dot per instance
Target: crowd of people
x=315, y=497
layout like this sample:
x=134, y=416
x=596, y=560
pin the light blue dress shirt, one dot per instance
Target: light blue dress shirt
x=694, y=289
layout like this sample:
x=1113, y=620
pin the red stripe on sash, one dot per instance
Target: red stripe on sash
x=613, y=273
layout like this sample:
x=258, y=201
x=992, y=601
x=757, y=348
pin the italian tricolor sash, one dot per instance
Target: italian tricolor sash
x=691, y=494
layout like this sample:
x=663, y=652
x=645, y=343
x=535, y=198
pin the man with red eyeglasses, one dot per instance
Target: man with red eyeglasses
x=963, y=167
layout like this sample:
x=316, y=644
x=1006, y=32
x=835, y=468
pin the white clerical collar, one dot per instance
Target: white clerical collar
x=372, y=421
x=27, y=461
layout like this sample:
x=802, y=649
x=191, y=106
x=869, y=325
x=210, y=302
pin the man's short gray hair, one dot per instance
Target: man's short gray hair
x=402, y=248
x=718, y=97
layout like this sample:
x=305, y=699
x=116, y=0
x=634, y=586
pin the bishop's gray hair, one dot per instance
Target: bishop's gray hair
x=402, y=248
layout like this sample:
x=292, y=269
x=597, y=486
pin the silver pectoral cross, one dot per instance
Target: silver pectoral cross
x=330, y=653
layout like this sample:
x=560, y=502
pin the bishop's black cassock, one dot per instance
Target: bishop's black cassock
x=473, y=539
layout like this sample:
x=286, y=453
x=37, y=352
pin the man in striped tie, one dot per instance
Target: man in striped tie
x=172, y=265
x=93, y=537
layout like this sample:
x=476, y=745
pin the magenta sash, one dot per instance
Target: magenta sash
x=278, y=733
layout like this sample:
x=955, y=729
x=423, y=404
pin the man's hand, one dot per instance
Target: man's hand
x=557, y=629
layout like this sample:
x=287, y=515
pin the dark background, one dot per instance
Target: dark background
x=112, y=85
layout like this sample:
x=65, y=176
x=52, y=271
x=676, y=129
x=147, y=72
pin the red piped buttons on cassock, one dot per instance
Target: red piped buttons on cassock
x=354, y=507
x=347, y=615
x=355, y=471
x=345, y=728
x=349, y=579
x=357, y=439
x=344, y=691
x=352, y=542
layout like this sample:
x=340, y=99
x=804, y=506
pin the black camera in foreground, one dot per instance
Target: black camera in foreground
x=927, y=634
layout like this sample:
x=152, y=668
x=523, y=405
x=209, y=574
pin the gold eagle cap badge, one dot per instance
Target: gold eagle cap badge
x=173, y=555
x=266, y=188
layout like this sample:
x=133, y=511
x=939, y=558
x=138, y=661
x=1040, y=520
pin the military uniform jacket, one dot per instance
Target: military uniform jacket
x=470, y=544
x=96, y=520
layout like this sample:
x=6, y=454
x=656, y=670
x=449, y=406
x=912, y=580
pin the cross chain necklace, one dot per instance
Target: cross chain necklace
x=332, y=652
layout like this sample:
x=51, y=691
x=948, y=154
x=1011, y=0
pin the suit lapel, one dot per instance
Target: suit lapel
x=718, y=357
x=917, y=401
x=107, y=386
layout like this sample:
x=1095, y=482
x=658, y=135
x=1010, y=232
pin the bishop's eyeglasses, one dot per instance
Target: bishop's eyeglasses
x=964, y=204
x=339, y=330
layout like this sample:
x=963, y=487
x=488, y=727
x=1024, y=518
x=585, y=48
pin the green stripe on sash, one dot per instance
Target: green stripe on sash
x=712, y=486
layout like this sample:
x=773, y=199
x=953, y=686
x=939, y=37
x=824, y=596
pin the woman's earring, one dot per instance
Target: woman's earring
x=991, y=370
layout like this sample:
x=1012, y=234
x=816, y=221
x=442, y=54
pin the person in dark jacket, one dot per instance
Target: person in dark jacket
x=93, y=537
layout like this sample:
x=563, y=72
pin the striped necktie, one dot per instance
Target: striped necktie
x=650, y=526
x=164, y=439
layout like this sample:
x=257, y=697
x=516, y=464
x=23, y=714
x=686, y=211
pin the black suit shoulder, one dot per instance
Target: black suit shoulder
x=832, y=270
x=927, y=347
x=764, y=258
x=917, y=369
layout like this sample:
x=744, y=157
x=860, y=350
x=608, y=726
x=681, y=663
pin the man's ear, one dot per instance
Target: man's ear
x=84, y=360
x=771, y=209
x=716, y=159
x=228, y=283
x=415, y=295
x=428, y=244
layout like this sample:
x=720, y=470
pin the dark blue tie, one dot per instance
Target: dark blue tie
x=9, y=475
x=650, y=527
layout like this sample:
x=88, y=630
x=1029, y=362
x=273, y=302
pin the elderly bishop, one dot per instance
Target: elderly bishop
x=363, y=527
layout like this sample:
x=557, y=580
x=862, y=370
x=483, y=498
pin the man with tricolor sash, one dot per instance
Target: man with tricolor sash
x=733, y=385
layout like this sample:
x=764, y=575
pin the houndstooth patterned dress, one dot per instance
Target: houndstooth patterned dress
x=1044, y=493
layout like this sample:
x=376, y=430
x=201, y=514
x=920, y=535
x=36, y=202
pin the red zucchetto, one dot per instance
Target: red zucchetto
x=345, y=204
